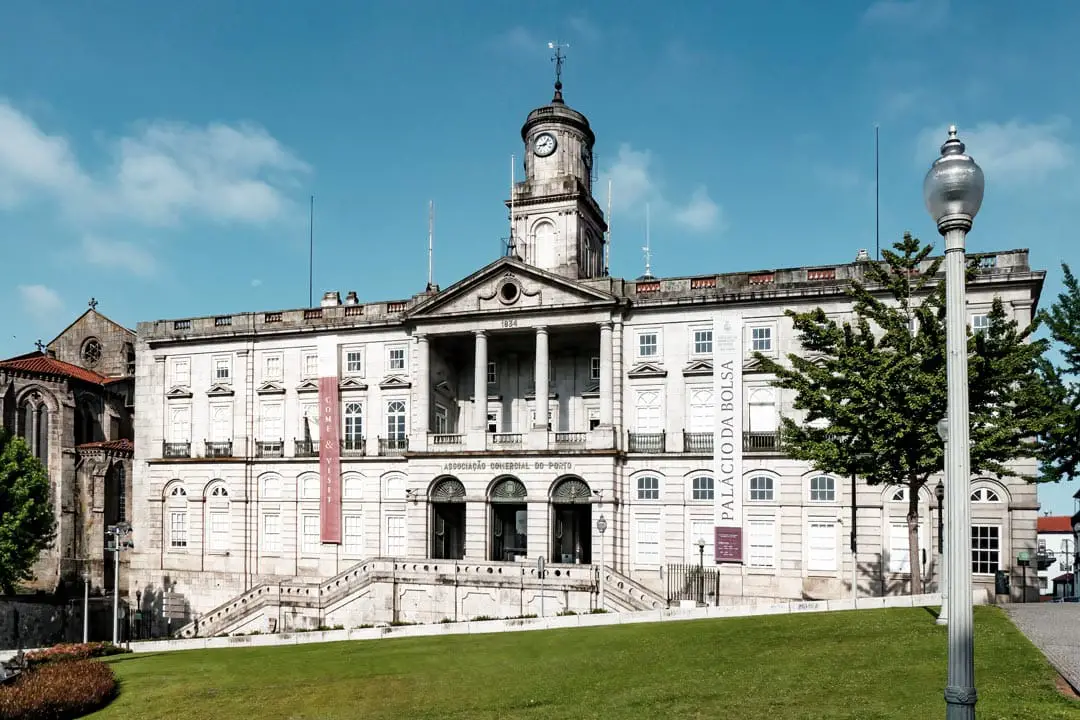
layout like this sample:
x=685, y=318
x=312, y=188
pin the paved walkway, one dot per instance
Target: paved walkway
x=1054, y=628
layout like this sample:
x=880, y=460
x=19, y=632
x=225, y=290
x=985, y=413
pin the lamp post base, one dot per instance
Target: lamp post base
x=960, y=702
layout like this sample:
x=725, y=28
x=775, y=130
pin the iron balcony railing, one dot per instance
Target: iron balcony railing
x=269, y=448
x=646, y=442
x=218, y=448
x=697, y=442
x=306, y=448
x=761, y=441
x=393, y=446
x=353, y=446
x=176, y=450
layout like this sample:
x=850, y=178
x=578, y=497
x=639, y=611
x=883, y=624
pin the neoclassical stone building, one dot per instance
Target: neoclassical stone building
x=414, y=459
x=72, y=401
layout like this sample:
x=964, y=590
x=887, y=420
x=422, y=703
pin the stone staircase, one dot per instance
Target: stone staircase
x=515, y=587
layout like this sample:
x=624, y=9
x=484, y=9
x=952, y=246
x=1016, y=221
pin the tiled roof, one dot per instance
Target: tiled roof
x=123, y=445
x=45, y=365
x=1055, y=524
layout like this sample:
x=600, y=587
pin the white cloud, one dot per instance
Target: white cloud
x=634, y=184
x=39, y=301
x=918, y=13
x=117, y=254
x=256, y=282
x=1012, y=153
x=32, y=162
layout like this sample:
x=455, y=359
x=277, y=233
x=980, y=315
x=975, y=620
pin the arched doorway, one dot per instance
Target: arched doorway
x=447, y=499
x=571, y=527
x=509, y=520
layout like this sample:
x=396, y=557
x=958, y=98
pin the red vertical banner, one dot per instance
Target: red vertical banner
x=330, y=460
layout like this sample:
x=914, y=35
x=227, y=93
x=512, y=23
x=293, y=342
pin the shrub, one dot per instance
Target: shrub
x=72, y=651
x=58, y=691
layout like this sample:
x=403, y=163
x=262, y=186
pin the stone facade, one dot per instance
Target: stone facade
x=72, y=403
x=438, y=452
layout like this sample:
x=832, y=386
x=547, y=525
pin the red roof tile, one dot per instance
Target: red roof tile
x=1055, y=524
x=45, y=365
x=122, y=445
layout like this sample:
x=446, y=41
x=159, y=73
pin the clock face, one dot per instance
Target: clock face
x=544, y=144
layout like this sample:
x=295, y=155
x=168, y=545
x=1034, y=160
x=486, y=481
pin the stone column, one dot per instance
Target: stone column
x=422, y=401
x=480, y=382
x=541, y=379
x=617, y=370
x=607, y=407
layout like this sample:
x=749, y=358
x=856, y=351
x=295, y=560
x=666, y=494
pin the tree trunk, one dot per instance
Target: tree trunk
x=914, y=551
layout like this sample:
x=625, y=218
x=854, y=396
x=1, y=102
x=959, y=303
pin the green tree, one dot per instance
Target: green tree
x=1060, y=450
x=874, y=388
x=26, y=516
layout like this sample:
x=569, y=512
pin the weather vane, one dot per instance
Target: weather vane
x=93, y=303
x=558, y=59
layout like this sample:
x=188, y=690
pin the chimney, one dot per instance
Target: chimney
x=331, y=299
x=862, y=256
x=351, y=298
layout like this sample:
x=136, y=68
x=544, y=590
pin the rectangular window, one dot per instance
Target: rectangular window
x=309, y=534
x=701, y=410
x=271, y=534
x=648, y=344
x=899, y=555
x=395, y=535
x=395, y=358
x=354, y=425
x=493, y=421
x=492, y=373
x=703, y=342
x=221, y=423
x=354, y=535
x=442, y=420
x=309, y=421
x=181, y=372
x=594, y=368
x=701, y=530
x=980, y=323
x=648, y=488
x=761, y=488
x=648, y=412
x=761, y=539
x=223, y=370
x=821, y=547
x=309, y=364
x=761, y=339
x=180, y=424
x=219, y=531
x=648, y=541
x=354, y=361
x=985, y=549
x=271, y=422
x=272, y=369
x=178, y=530
x=395, y=420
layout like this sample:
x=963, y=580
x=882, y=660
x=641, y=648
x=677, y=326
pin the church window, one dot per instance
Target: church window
x=91, y=352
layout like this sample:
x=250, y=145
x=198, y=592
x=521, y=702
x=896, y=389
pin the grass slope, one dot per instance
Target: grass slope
x=866, y=664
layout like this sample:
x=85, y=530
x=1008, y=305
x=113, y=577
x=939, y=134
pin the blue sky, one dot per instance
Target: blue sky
x=160, y=157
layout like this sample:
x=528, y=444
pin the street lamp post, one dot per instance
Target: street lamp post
x=860, y=458
x=953, y=191
x=119, y=533
x=86, y=605
x=943, y=541
x=701, y=571
x=601, y=526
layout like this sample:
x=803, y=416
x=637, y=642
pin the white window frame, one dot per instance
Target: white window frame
x=393, y=549
x=391, y=360
x=309, y=364
x=762, y=338
x=648, y=550
x=180, y=371
x=831, y=524
x=181, y=434
x=701, y=341
x=986, y=496
x=270, y=537
x=345, y=414
x=352, y=549
x=704, y=491
x=766, y=493
x=270, y=361
x=219, y=537
x=639, y=394
x=657, y=344
x=310, y=410
x=980, y=322
x=401, y=429
x=829, y=490
x=263, y=435
x=178, y=529
x=494, y=419
x=219, y=363
x=354, y=367
x=759, y=554
x=697, y=397
x=492, y=372
x=594, y=368
x=310, y=544
x=442, y=420
x=215, y=431
x=650, y=493
x=976, y=562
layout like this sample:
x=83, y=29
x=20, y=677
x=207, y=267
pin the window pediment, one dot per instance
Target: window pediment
x=220, y=390
x=698, y=368
x=394, y=382
x=351, y=383
x=308, y=386
x=647, y=370
x=271, y=388
x=179, y=393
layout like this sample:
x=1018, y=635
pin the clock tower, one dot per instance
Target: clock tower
x=557, y=225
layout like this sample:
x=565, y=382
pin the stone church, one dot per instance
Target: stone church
x=71, y=400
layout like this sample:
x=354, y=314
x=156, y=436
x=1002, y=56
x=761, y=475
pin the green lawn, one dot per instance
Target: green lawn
x=866, y=664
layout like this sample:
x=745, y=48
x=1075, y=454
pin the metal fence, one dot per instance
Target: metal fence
x=691, y=582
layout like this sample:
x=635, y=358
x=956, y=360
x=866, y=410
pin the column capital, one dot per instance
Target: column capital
x=606, y=325
x=420, y=337
x=480, y=333
x=541, y=330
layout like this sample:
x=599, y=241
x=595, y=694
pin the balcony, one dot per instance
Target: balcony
x=306, y=448
x=646, y=442
x=353, y=447
x=698, y=442
x=505, y=441
x=218, y=448
x=569, y=439
x=445, y=441
x=269, y=448
x=758, y=441
x=176, y=449
x=393, y=446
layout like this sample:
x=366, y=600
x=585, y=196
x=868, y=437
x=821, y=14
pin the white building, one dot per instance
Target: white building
x=1056, y=548
x=356, y=463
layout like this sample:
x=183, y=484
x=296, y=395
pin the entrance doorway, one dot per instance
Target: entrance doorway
x=448, y=520
x=509, y=521
x=571, y=527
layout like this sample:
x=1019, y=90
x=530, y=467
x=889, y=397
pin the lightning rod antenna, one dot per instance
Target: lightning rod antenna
x=607, y=244
x=311, y=254
x=430, y=245
x=877, y=196
x=512, y=246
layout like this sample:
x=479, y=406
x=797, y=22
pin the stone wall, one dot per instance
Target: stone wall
x=43, y=620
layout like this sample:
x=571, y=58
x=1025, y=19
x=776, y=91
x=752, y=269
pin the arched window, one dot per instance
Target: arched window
x=702, y=487
x=648, y=487
x=352, y=487
x=899, y=494
x=761, y=488
x=271, y=487
x=822, y=489
x=571, y=490
x=543, y=242
x=218, y=518
x=309, y=487
x=448, y=490
x=985, y=495
x=176, y=512
x=41, y=445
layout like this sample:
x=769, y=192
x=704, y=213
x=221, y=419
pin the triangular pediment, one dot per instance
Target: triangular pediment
x=697, y=368
x=444, y=388
x=647, y=370
x=219, y=390
x=271, y=388
x=509, y=284
x=308, y=386
x=179, y=393
x=394, y=381
x=592, y=390
x=352, y=383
